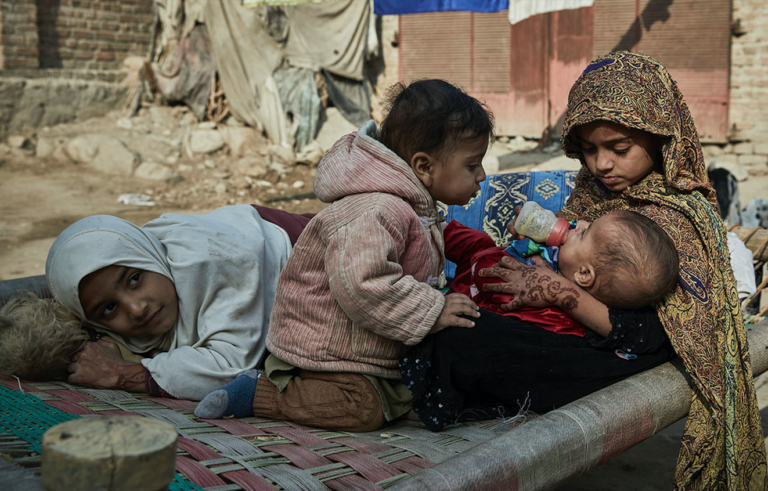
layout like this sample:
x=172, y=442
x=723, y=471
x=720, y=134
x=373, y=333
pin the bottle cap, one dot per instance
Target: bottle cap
x=558, y=232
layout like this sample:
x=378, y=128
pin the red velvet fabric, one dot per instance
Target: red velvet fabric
x=472, y=251
x=292, y=223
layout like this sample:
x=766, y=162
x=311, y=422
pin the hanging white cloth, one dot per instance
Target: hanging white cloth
x=742, y=263
x=522, y=9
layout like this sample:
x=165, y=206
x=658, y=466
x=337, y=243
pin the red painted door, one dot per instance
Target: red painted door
x=522, y=71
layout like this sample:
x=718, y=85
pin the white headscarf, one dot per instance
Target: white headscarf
x=224, y=265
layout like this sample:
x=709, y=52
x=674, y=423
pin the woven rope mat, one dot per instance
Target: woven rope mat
x=238, y=454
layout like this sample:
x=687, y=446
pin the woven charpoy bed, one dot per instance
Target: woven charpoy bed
x=255, y=453
x=250, y=453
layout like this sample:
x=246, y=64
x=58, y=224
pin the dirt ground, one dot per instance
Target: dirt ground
x=40, y=199
x=42, y=196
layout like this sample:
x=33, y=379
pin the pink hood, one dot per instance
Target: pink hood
x=359, y=163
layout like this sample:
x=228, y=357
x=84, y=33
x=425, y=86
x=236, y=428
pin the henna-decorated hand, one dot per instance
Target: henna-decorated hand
x=532, y=286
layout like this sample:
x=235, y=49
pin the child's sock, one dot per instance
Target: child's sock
x=234, y=399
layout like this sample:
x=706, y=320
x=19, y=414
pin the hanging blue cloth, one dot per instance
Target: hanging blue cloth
x=397, y=7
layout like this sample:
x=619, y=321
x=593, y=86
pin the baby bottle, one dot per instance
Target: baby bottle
x=541, y=225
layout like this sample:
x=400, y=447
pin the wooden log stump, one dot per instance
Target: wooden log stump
x=111, y=453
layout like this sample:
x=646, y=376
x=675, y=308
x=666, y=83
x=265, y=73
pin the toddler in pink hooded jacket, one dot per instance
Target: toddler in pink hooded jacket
x=362, y=281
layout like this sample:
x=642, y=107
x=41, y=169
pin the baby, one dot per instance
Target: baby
x=623, y=259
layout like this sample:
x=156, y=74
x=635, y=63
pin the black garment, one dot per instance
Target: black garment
x=503, y=364
x=632, y=331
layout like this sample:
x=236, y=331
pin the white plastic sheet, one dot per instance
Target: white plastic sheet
x=522, y=9
x=742, y=264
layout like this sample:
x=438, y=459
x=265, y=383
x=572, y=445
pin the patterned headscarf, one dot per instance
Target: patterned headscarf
x=722, y=446
x=635, y=91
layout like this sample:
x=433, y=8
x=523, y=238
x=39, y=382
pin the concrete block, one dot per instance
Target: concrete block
x=744, y=148
x=727, y=159
x=761, y=148
x=712, y=151
x=753, y=160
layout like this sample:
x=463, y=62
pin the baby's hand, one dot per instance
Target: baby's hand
x=456, y=304
x=511, y=225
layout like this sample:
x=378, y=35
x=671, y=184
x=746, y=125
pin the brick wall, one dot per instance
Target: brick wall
x=74, y=34
x=18, y=34
x=749, y=70
x=748, y=112
x=92, y=34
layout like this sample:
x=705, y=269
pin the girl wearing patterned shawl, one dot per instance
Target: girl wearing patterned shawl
x=501, y=365
x=722, y=445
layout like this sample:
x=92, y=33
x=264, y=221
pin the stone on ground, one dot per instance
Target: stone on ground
x=311, y=154
x=153, y=171
x=102, y=152
x=19, y=141
x=206, y=141
x=281, y=154
x=83, y=149
x=124, y=123
x=251, y=167
x=240, y=139
x=45, y=147
x=114, y=157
